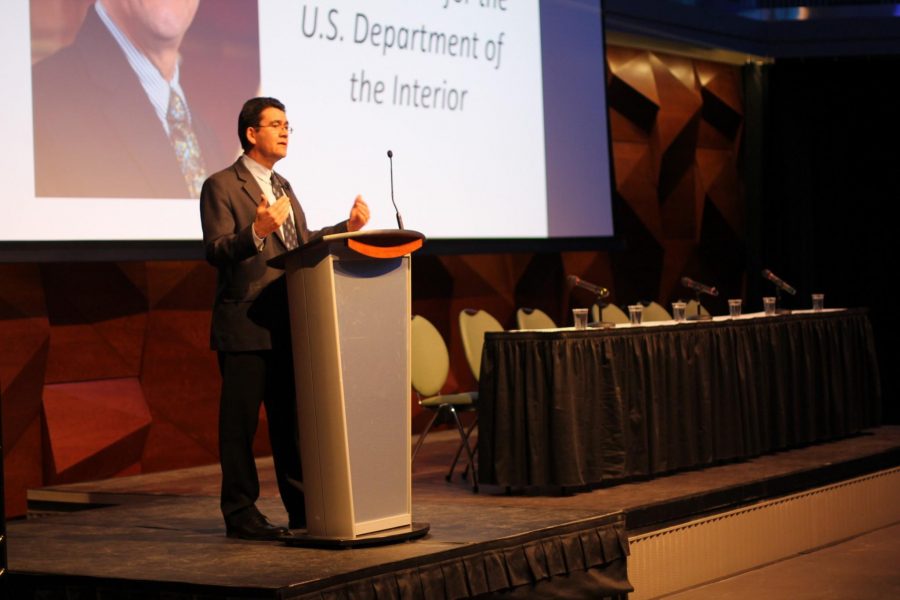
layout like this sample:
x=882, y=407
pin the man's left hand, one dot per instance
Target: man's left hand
x=359, y=215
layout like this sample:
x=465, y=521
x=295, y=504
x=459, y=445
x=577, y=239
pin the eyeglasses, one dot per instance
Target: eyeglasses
x=278, y=125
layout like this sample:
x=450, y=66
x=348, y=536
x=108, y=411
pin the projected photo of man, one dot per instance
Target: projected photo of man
x=127, y=109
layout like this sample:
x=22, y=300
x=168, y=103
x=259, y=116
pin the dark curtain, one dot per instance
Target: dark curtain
x=579, y=408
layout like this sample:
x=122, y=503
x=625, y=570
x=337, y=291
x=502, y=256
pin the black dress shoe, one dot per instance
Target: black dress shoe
x=250, y=524
x=297, y=522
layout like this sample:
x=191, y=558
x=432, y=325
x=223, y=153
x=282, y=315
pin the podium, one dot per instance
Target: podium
x=349, y=297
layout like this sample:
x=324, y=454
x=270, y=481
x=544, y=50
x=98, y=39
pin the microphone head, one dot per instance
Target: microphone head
x=390, y=154
x=573, y=280
x=766, y=273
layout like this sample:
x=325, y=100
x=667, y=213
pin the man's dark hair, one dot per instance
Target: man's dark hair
x=250, y=115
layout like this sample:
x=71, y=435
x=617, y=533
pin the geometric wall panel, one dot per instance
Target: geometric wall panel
x=722, y=97
x=677, y=257
x=169, y=446
x=94, y=429
x=538, y=286
x=637, y=181
x=178, y=285
x=180, y=382
x=720, y=115
x=676, y=129
x=678, y=209
x=632, y=87
x=719, y=182
x=179, y=373
x=22, y=467
x=666, y=182
x=24, y=335
x=638, y=270
x=22, y=379
x=97, y=314
x=24, y=340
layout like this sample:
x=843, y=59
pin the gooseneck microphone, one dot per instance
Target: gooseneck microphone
x=699, y=287
x=397, y=210
x=599, y=291
x=779, y=283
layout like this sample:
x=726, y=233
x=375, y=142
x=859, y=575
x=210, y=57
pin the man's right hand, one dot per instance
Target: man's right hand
x=270, y=217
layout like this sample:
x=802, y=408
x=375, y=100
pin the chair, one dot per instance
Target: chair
x=655, y=312
x=473, y=324
x=430, y=367
x=534, y=318
x=690, y=309
x=610, y=313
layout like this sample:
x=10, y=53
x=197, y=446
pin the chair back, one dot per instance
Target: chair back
x=655, y=312
x=534, y=318
x=430, y=359
x=690, y=309
x=473, y=324
x=610, y=313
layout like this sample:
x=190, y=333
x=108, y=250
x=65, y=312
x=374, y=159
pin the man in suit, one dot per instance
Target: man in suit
x=110, y=116
x=250, y=214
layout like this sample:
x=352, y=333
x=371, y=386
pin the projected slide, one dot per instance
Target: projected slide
x=494, y=111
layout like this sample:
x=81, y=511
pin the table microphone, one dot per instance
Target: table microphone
x=779, y=283
x=575, y=281
x=699, y=287
x=397, y=210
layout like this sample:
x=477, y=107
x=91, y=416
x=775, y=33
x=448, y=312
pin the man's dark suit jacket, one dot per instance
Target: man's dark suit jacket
x=250, y=310
x=96, y=133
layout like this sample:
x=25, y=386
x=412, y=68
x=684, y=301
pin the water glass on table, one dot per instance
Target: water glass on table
x=580, y=317
x=635, y=313
x=818, y=302
x=678, y=309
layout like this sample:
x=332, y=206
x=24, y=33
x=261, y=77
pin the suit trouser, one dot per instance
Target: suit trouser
x=248, y=380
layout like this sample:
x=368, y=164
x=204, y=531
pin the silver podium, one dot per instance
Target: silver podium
x=349, y=297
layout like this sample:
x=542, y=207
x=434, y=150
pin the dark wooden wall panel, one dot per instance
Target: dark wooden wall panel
x=97, y=314
x=24, y=343
x=93, y=429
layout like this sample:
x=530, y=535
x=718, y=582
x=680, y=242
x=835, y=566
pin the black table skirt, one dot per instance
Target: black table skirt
x=574, y=408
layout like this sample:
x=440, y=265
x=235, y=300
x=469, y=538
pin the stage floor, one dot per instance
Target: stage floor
x=166, y=528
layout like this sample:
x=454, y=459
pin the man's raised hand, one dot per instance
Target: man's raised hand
x=270, y=217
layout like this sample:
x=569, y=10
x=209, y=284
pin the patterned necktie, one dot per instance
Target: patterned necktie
x=184, y=142
x=288, y=229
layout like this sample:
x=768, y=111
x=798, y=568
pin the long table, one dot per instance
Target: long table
x=572, y=408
